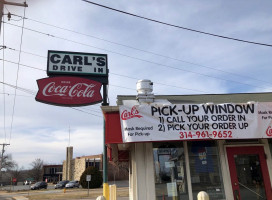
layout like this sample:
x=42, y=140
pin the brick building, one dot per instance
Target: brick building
x=74, y=167
x=52, y=173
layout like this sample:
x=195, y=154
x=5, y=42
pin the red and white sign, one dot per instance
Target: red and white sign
x=154, y=122
x=68, y=91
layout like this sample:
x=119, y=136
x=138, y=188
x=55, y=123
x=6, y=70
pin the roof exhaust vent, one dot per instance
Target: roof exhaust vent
x=144, y=89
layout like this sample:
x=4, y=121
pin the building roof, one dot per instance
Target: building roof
x=204, y=98
x=90, y=156
x=52, y=165
x=198, y=99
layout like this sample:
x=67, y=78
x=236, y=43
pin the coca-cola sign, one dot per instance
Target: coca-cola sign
x=68, y=91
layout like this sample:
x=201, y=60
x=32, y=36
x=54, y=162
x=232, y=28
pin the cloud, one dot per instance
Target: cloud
x=199, y=64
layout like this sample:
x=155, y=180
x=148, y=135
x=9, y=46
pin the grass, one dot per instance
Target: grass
x=69, y=194
x=73, y=194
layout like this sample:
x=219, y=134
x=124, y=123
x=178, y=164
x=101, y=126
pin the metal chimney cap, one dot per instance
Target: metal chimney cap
x=144, y=86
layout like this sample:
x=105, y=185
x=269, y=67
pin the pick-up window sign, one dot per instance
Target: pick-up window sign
x=76, y=63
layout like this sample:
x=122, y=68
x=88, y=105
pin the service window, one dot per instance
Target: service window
x=170, y=173
x=205, y=169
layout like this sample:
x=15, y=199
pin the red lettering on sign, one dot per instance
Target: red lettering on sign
x=128, y=115
x=269, y=131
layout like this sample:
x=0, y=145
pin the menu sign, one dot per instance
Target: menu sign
x=196, y=121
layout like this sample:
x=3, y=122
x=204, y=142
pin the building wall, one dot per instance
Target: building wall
x=73, y=169
x=80, y=166
x=142, y=171
x=53, y=173
x=64, y=175
x=69, y=159
x=68, y=176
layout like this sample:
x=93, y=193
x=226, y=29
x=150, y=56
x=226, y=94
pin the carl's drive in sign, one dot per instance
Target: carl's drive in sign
x=76, y=63
x=68, y=91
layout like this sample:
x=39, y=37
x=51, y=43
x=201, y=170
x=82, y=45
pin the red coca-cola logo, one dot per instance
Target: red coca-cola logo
x=269, y=131
x=68, y=91
x=128, y=115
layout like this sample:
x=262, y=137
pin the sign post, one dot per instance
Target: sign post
x=75, y=79
x=88, y=179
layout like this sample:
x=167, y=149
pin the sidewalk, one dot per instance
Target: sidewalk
x=19, y=198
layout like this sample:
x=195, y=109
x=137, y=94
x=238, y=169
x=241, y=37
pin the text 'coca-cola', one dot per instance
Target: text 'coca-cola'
x=68, y=91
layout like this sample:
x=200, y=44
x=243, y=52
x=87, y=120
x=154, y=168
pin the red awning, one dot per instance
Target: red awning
x=113, y=128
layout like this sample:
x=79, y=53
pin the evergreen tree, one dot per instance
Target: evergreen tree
x=96, y=180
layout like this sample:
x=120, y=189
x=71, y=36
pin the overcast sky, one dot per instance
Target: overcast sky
x=176, y=60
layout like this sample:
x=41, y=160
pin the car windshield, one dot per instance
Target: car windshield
x=61, y=182
x=38, y=183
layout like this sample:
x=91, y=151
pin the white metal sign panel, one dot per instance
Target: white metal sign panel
x=75, y=63
x=88, y=177
x=196, y=121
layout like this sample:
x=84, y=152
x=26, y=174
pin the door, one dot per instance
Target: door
x=249, y=173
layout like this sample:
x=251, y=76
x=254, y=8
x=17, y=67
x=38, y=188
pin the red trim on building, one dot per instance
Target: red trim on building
x=109, y=153
x=113, y=128
x=123, y=156
x=231, y=151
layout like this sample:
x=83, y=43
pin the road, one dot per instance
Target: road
x=21, y=187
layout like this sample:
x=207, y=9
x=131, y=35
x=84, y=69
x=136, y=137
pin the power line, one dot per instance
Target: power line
x=145, y=51
x=32, y=92
x=157, y=83
x=180, y=27
x=85, y=112
x=17, y=76
x=116, y=75
x=151, y=62
x=160, y=83
x=45, y=70
x=93, y=110
x=23, y=65
x=112, y=74
x=14, y=94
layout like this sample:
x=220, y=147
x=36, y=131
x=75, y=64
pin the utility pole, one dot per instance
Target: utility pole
x=2, y=156
x=2, y=3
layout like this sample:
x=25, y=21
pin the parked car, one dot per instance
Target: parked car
x=39, y=185
x=72, y=184
x=26, y=182
x=61, y=184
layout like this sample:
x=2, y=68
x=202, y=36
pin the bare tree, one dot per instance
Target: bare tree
x=17, y=173
x=37, y=169
x=7, y=163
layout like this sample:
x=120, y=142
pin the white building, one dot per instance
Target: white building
x=225, y=152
